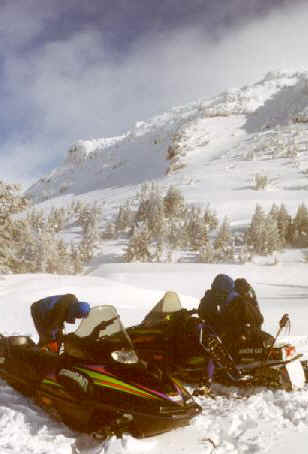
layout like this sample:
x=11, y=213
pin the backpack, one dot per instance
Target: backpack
x=242, y=318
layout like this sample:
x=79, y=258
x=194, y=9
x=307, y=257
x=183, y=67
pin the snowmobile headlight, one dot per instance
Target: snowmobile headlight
x=125, y=356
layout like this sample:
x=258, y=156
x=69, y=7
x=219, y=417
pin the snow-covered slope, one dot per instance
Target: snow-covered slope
x=211, y=149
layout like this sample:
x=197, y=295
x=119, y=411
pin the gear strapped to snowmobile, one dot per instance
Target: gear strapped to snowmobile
x=178, y=341
x=97, y=384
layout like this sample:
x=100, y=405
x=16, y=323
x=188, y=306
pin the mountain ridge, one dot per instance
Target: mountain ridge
x=218, y=144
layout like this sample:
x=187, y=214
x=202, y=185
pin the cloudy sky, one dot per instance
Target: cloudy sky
x=73, y=69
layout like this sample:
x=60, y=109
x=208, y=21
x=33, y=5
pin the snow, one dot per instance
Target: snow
x=237, y=421
x=221, y=144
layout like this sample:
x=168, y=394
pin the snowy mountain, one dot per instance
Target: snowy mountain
x=210, y=149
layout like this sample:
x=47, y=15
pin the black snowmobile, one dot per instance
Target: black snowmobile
x=97, y=384
x=178, y=341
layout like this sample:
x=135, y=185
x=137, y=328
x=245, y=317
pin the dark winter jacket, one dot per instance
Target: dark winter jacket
x=215, y=301
x=49, y=315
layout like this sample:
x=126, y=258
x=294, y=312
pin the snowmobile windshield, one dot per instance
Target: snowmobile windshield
x=168, y=305
x=103, y=325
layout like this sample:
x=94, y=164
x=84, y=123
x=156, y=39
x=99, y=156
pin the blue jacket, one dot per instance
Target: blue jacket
x=49, y=314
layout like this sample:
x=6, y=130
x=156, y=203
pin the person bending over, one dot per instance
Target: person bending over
x=49, y=315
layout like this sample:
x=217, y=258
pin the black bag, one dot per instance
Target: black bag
x=242, y=318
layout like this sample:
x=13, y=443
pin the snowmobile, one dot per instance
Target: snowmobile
x=96, y=383
x=177, y=340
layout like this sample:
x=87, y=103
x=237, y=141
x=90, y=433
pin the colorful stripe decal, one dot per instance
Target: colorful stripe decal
x=110, y=382
x=47, y=381
x=102, y=375
x=179, y=386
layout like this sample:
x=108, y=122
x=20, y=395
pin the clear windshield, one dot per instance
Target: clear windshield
x=97, y=316
x=103, y=324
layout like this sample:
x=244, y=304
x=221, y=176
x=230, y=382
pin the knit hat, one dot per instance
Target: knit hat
x=78, y=309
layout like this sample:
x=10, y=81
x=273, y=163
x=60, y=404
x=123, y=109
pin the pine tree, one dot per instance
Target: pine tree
x=195, y=230
x=283, y=224
x=301, y=220
x=125, y=218
x=173, y=202
x=64, y=265
x=151, y=211
x=274, y=211
x=210, y=219
x=271, y=236
x=138, y=248
x=224, y=239
x=224, y=244
x=10, y=200
x=36, y=220
x=10, y=203
x=174, y=234
x=254, y=236
x=77, y=265
x=6, y=247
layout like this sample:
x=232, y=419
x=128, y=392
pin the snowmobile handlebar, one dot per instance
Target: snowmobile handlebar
x=103, y=325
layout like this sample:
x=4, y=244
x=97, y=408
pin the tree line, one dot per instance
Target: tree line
x=155, y=226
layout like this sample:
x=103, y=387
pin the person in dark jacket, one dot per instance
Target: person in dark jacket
x=49, y=315
x=214, y=302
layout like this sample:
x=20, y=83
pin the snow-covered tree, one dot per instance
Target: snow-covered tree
x=10, y=231
x=151, y=211
x=263, y=234
x=125, y=218
x=300, y=226
x=283, y=224
x=274, y=212
x=224, y=243
x=271, y=236
x=10, y=199
x=195, y=229
x=138, y=248
x=224, y=238
x=261, y=181
x=254, y=236
x=210, y=218
x=174, y=202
